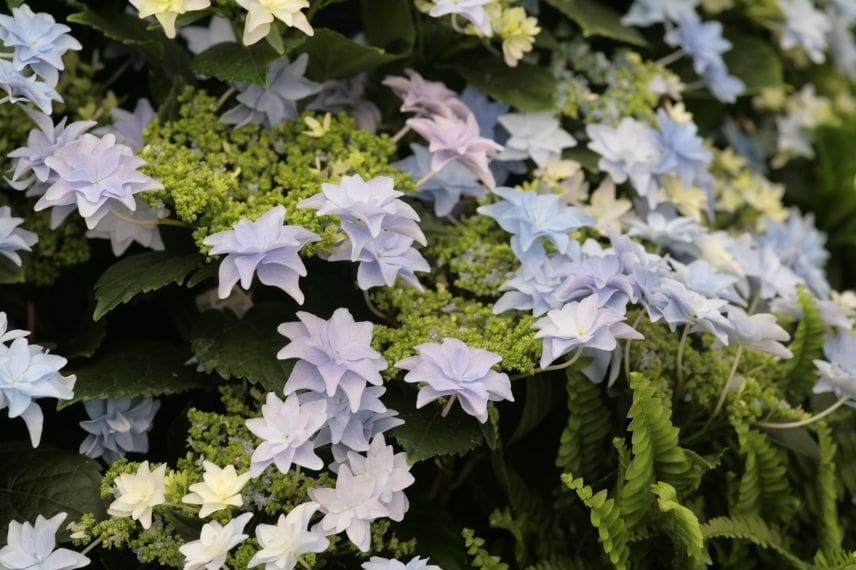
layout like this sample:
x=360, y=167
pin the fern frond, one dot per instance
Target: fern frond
x=800, y=373
x=584, y=438
x=829, y=531
x=481, y=557
x=684, y=529
x=606, y=518
x=838, y=561
x=764, y=487
x=751, y=528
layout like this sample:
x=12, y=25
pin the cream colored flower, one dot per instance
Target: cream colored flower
x=604, y=207
x=137, y=493
x=261, y=14
x=166, y=11
x=516, y=29
x=690, y=202
x=220, y=489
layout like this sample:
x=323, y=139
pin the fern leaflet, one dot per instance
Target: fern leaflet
x=800, y=374
x=606, y=519
x=751, y=528
x=684, y=528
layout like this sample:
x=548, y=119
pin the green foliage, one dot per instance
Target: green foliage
x=764, y=487
x=232, y=61
x=751, y=528
x=830, y=533
x=595, y=19
x=762, y=70
x=606, y=517
x=481, y=557
x=800, y=373
x=333, y=56
x=683, y=525
x=525, y=87
x=581, y=447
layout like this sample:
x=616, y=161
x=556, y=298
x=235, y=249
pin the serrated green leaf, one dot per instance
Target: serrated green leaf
x=232, y=61
x=762, y=69
x=685, y=528
x=332, y=55
x=140, y=273
x=136, y=368
x=389, y=24
x=425, y=434
x=244, y=348
x=525, y=87
x=45, y=482
x=595, y=19
x=800, y=373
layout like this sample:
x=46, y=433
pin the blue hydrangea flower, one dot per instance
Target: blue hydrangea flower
x=347, y=96
x=724, y=86
x=538, y=136
x=535, y=288
x=33, y=546
x=286, y=429
x=425, y=97
x=759, y=331
x=25, y=89
x=581, y=324
x=7, y=334
x=668, y=300
x=486, y=112
x=530, y=216
x=124, y=227
x=677, y=233
x=267, y=247
x=277, y=103
x=117, y=426
x=42, y=142
x=629, y=151
x=39, y=42
x=597, y=275
x=12, y=238
x=447, y=187
x=27, y=373
x=93, y=173
x=128, y=126
x=800, y=247
x=388, y=472
x=366, y=209
x=385, y=260
x=806, y=27
x=333, y=355
x=451, y=368
x=702, y=41
x=683, y=150
x=415, y=563
x=702, y=277
x=838, y=371
x=648, y=12
x=200, y=38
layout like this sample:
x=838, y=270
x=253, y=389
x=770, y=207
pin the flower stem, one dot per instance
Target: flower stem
x=724, y=393
x=400, y=134
x=671, y=58
x=164, y=222
x=818, y=416
x=224, y=97
x=448, y=407
x=627, y=347
x=680, y=361
x=374, y=310
x=91, y=545
x=560, y=366
x=425, y=178
x=304, y=564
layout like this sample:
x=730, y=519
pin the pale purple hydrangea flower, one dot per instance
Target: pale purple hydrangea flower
x=702, y=277
x=200, y=38
x=267, y=247
x=124, y=227
x=486, y=112
x=534, y=288
x=423, y=97
x=284, y=543
x=597, y=275
x=629, y=151
x=416, y=563
x=92, y=174
x=39, y=42
x=683, y=150
x=531, y=217
x=25, y=89
x=806, y=27
x=7, y=334
x=800, y=247
x=332, y=355
x=13, y=238
x=838, y=371
x=538, y=136
x=215, y=541
x=385, y=260
x=286, y=429
x=677, y=233
x=277, y=103
x=581, y=324
x=389, y=474
x=347, y=96
x=648, y=12
x=447, y=187
x=33, y=547
x=457, y=139
x=471, y=10
x=350, y=507
x=451, y=368
x=759, y=331
x=117, y=426
x=128, y=126
x=27, y=373
x=366, y=209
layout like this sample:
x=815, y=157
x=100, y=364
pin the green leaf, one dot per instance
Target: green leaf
x=754, y=61
x=595, y=19
x=751, y=528
x=606, y=518
x=526, y=87
x=45, y=482
x=243, y=348
x=136, y=368
x=140, y=273
x=684, y=527
x=332, y=55
x=425, y=434
x=389, y=24
x=800, y=373
x=233, y=61
x=86, y=340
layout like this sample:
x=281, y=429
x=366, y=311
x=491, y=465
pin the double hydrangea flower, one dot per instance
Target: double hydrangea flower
x=14, y=238
x=30, y=546
x=117, y=426
x=39, y=42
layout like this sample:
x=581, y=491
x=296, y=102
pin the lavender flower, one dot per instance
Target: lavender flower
x=26, y=89
x=416, y=563
x=215, y=542
x=425, y=97
x=388, y=472
x=33, y=547
x=760, y=332
x=12, y=238
x=27, y=373
x=276, y=103
x=600, y=276
x=471, y=10
x=333, y=354
x=286, y=430
x=384, y=260
x=683, y=150
x=838, y=371
x=124, y=227
x=451, y=368
x=365, y=209
x=534, y=288
x=117, y=426
x=39, y=42
x=486, y=112
x=128, y=126
x=284, y=543
x=538, y=136
x=581, y=324
x=200, y=38
x=267, y=247
x=346, y=96
x=457, y=139
x=92, y=174
x=7, y=334
x=677, y=233
x=801, y=248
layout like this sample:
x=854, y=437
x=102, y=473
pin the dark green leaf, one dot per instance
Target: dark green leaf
x=233, y=61
x=389, y=24
x=137, y=274
x=541, y=398
x=86, y=340
x=332, y=55
x=45, y=482
x=204, y=273
x=243, y=348
x=595, y=19
x=762, y=69
x=526, y=87
x=136, y=368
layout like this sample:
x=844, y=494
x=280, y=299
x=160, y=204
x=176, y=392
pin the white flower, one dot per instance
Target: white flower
x=215, y=542
x=261, y=13
x=283, y=543
x=166, y=11
x=220, y=489
x=137, y=493
x=33, y=547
